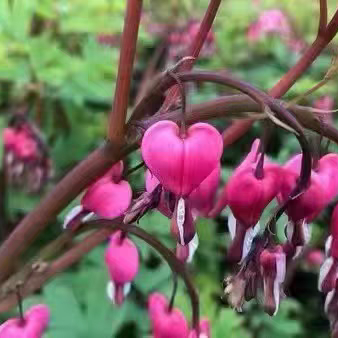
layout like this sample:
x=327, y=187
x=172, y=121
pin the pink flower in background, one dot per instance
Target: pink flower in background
x=270, y=21
x=315, y=258
x=27, y=161
x=35, y=323
x=122, y=261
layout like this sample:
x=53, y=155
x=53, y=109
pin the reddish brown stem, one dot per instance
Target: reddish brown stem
x=118, y=114
x=322, y=17
x=194, y=49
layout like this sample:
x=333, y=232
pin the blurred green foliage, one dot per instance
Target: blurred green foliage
x=51, y=60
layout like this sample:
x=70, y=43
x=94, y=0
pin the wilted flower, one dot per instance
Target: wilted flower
x=26, y=157
x=32, y=325
x=273, y=268
x=122, y=261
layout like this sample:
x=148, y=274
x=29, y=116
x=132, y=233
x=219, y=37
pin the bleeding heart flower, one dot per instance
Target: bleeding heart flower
x=247, y=196
x=166, y=323
x=273, y=267
x=250, y=159
x=35, y=323
x=180, y=162
x=122, y=260
x=302, y=210
x=182, y=223
x=108, y=197
x=202, y=198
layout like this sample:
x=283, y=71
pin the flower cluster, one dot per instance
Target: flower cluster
x=26, y=157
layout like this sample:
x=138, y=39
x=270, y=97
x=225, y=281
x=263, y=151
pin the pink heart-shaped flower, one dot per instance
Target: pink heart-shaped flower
x=107, y=199
x=181, y=163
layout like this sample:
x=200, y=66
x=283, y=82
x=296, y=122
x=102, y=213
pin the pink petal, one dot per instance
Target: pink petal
x=107, y=199
x=122, y=259
x=181, y=164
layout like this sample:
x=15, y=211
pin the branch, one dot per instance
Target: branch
x=322, y=17
x=194, y=48
x=92, y=240
x=94, y=166
x=118, y=114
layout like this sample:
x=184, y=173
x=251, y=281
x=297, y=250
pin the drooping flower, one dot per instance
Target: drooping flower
x=108, y=197
x=33, y=325
x=166, y=323
x=181, y=163
x=247, y=195
x=305, y=208
x=273, y=267
x=122, y=261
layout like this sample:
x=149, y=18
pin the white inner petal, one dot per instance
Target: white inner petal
x=276, y=294
x=289, y=230
x=307, y=230
x=180, y=218
x=90, y=217
x=328, y=299
x=248, y=238
x=281, y=267
x=71, y=215
x=193, y=245
x=328, y=245
x=324, y=269
x=111, y=290
x=299, y=250
x=232, y=225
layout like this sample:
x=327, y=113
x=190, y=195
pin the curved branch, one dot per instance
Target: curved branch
x=260, y=97
x=93, y=239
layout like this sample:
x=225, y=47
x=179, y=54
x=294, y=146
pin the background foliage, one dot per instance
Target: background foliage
x=54, y=64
